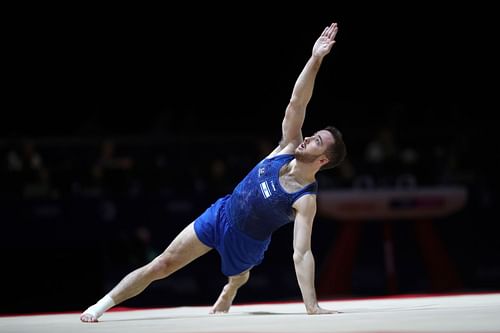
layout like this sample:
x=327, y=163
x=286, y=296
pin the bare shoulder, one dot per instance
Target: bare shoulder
x=306, y=204
x=283, y=149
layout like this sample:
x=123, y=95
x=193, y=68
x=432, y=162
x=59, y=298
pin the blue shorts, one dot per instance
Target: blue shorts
x=238, y=251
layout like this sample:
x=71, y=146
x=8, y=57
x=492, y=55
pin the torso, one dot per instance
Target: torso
x=264, y=200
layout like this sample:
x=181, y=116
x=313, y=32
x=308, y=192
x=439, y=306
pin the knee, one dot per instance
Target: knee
x=162, y=266
x=245, y=276
x=241, y=278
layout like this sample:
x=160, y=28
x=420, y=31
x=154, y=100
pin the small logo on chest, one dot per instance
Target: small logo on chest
x=262, y=171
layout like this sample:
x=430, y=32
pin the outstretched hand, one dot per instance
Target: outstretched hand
x=325, y=42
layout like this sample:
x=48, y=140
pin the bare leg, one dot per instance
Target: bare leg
x=228, y=293
x=184, y=249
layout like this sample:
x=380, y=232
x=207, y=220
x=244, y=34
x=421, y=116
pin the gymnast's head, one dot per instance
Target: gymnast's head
x=326, y=147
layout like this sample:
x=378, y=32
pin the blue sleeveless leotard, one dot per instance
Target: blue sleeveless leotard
x=239, y=226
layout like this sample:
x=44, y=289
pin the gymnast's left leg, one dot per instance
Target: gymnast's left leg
x=229, y=291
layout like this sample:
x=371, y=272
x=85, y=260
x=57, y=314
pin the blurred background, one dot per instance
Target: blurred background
x=121, y=125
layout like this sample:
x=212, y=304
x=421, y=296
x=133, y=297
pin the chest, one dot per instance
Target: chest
x=288, y=183
x=278, y=173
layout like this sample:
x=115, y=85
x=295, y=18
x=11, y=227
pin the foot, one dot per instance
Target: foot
x=224, y=301
x=91, y=315
x=88, y=317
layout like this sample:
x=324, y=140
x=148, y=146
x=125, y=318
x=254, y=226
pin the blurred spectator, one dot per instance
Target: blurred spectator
x=381, y=157
x=113, y=170
x=26, y=158
x=26, y=172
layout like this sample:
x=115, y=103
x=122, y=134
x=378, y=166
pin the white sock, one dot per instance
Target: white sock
x=101, y=306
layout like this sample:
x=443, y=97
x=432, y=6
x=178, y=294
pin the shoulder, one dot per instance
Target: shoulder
x=306, y=204
x=288, y=149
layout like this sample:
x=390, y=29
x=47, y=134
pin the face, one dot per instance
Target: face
x=313, y=147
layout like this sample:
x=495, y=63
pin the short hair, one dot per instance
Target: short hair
x=337, y=151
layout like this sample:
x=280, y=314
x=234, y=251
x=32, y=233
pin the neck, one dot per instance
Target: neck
x=304, y=173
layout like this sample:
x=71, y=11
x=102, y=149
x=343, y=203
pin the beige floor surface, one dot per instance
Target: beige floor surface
x=457, y=313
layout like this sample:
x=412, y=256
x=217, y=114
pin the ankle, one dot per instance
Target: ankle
x=101, y=306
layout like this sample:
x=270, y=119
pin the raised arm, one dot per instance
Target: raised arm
x=303, y=89
x=302, y=255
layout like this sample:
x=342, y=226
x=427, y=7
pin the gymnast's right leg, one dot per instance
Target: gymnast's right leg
x=184, y=249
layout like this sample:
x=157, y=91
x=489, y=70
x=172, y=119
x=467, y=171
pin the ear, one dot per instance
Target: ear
x=323, y=160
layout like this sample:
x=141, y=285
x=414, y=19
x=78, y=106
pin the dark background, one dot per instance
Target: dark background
x=182, y=90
